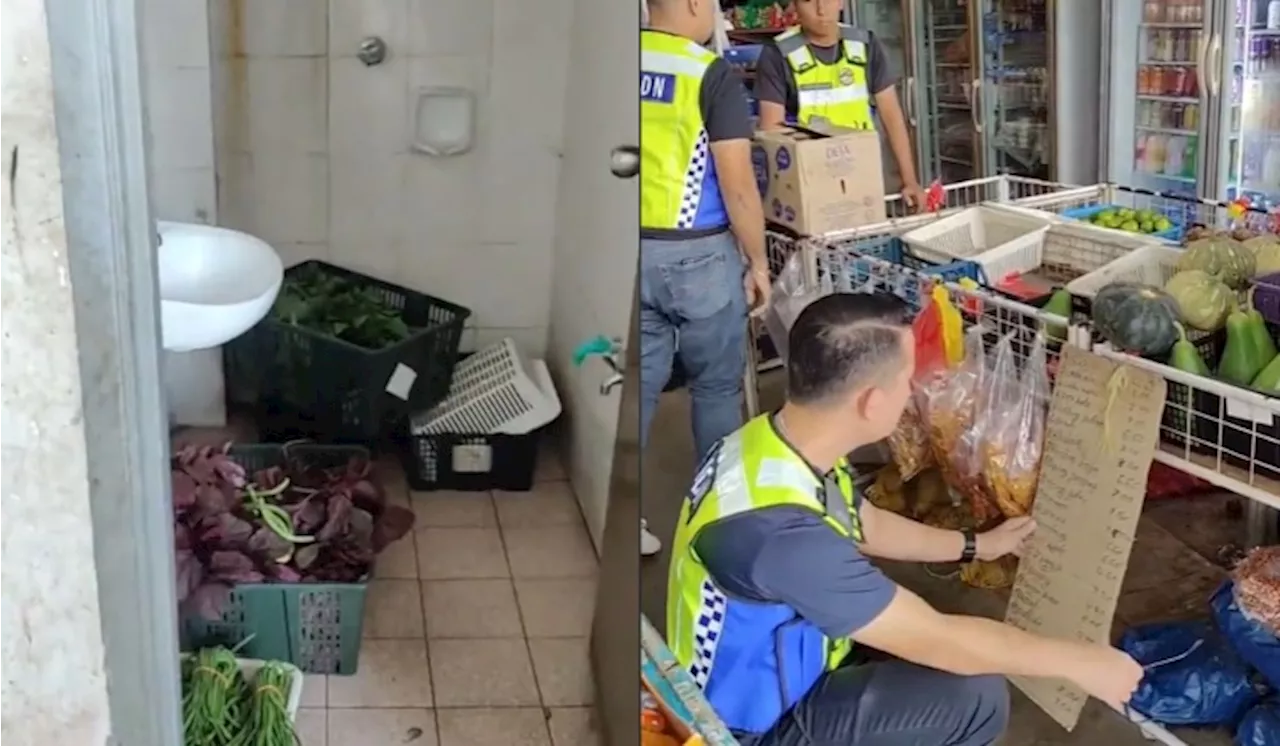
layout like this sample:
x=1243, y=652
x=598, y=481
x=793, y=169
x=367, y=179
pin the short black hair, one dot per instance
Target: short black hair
x=844, y=340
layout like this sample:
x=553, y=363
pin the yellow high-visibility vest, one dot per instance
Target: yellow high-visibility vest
x=838, y=93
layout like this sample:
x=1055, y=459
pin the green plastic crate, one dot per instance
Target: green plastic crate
x=314, y=626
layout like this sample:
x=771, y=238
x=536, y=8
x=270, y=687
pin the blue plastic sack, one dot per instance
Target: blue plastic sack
x=1251, y=641
x=1192, y=676
x=1260, y=726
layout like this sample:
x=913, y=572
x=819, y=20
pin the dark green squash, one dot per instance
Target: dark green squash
x=1136, y=318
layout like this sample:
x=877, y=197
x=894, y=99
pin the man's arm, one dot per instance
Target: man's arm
x=798, y=560
x=891, y=536
x=881, y=82
x=728, y=123
x=773, y=77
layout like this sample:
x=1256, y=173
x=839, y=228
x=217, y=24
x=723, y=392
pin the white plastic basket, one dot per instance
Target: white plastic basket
x=1149, y=265
x=496, y=390
x=1071, y=250
x=1000, y=241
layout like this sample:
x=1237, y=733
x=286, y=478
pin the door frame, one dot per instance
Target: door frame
x=101, y=129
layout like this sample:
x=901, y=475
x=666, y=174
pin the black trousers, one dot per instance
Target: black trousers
x=893, y=703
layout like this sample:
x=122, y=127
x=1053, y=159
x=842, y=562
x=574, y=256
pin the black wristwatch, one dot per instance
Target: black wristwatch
x=970, y=545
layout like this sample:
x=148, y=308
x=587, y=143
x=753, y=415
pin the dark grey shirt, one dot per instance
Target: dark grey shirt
x=726, y=116
x=775, y=82
x=789, y=555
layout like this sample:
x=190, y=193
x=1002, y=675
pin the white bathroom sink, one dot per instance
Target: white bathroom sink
x=215, y=284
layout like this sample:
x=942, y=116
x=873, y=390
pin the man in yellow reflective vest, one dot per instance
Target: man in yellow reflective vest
x=770, y=585
x=702, y=260
x=825, y=71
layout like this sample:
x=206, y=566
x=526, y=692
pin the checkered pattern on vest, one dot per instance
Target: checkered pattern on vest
x=706, y=632
x=691, y=198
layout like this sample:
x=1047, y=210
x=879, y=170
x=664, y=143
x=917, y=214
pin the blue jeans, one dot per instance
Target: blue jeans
x=692, y=302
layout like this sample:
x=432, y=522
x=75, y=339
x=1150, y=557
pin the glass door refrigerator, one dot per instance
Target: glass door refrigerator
x=1013, y=92
x=950, y=142
x=1243, y=61
x=1160, y=132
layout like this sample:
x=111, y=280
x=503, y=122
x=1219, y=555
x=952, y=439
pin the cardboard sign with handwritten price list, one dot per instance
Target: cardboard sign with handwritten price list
x=1102, y=431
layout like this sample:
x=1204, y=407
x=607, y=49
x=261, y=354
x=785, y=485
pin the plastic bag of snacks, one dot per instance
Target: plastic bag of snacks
x=990, y=574
x=1013, y=433
x=909, y=442
x=948, y=400
x=1257, y=580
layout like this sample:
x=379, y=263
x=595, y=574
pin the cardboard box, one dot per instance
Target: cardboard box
x=820, y=180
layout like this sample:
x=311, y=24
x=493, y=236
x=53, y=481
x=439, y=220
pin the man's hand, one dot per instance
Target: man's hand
x=1007, y=538
x=756, y=283
x=1106, y=673
x=913, y=195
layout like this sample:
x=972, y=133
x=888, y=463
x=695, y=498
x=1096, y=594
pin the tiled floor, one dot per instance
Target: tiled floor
x=475, y=630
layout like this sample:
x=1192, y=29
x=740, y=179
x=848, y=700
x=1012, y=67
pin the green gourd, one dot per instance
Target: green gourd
x=1185, y=357
x=1059, y=305
x=1203, y=300
x=1242, y=360
x=1268, y=381
x=1221, y=256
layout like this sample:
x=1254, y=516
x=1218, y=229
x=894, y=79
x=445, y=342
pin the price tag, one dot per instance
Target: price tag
x=472, y=459
x=401, y=381
x=1245, y=411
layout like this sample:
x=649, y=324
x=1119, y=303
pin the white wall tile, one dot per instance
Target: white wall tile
x=186, y=195
x=532, y=341
x=180, y=117
x=518, y=192
x=530, y=66
x=441, y=201
x=276, y=105
x=451, y=27
x=379, y=261
x=285, y=198
x=293, y=253
x=283, y=28
x=175, y=33
x=365, y=201
x=368, y=108
x=504, y=286
x=350, y=21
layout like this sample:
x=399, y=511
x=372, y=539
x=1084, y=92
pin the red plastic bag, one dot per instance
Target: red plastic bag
x=931, y=350
x=909, y=442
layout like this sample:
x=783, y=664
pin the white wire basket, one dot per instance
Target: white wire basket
x=1149, y=265
x=1071, y=251
x=495, y=390
x=1000, y=241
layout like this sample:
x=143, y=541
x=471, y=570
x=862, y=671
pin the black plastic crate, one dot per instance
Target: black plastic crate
x=471, y=463
x=343, y=388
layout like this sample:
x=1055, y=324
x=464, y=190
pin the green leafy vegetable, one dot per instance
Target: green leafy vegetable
x=315, y=299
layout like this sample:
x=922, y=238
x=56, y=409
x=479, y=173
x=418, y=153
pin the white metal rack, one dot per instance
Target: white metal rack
x=836, y=262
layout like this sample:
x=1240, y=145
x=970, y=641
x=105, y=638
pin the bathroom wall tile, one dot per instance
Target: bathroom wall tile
x=449, y=27
x=287, y=198
x=234, y=185
x=283, y=28
x=277, y=105
x=504, y=286
x=441, y=201
x=184, y=194
x=519, y=187
x=531, y=341
x=367, y=108
x=365, y=198
x=180, y=117
x=294, y=252
x=530, y=65
x=463, y=70
x=376, y=260
x=175, y=33
x=350, y=21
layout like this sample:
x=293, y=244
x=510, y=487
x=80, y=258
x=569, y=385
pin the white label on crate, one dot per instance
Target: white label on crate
x=1245, y=411
x=401, y=382
x=472, y=459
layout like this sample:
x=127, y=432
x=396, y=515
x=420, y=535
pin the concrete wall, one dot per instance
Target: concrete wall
x=55, y=689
